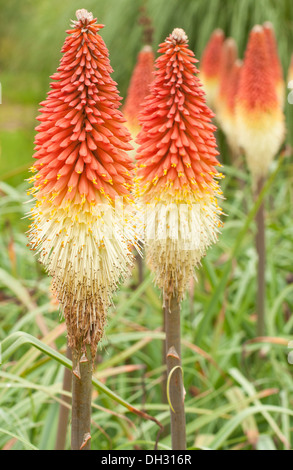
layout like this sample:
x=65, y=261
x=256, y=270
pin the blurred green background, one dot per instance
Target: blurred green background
x=239, y=391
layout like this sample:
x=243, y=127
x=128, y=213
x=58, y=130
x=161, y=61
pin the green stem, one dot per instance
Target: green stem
x=261, y=252
x=164, y=353
x=81, y=402
x=174, y=369
x=64, y=410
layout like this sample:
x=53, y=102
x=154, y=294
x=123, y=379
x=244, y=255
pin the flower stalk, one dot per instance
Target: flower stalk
x=81, y=402
x=175, y=387
x=260, y=243
x=64, y=410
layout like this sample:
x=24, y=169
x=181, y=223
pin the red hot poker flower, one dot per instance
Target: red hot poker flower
x=81, y=140
x=177, y=165
x=210, y=66
x=228, y=58
x=139, y=87
x=227, y=112
x=275, y=62
x=260, y=121
x=81, y=167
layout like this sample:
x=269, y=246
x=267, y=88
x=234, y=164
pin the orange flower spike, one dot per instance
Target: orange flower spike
x=80, y=117
x=210, y=66
x=139, y=88
x=228, y=106
x=275, y=62
x=260, y=120
x=81, y=167
x=228, y=58
x=176, y=162
x=233, y=85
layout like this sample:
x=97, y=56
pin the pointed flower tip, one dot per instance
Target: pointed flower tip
x=218, y=33
x=268, y=25
x=230, y=43
x=258, y=29
x=147, y=48
x=84, y=16
x=84, y=20
x=178, y=36
x=139, y=86
x=229, y=54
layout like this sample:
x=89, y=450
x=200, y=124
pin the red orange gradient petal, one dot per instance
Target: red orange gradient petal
x=139, y=87
x=227, y=110
x=210, y=65
x=275, y=61
x=228, y=58
x=81, y=145
x=257, y=90
x=177, y=149
x=260, y=120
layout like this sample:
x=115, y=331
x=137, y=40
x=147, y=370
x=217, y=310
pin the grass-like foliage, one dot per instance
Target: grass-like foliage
x=238, y=387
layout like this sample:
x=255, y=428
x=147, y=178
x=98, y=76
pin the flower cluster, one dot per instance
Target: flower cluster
x=211, y=66
x=275, y=63
x=248, y=98
x=82, y=236
x=228, y=59
x=227, y=107
x=260, y=120
x=177, y=159
x=139, y=86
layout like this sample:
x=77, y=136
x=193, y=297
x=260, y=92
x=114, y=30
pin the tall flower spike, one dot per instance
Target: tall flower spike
x=78, y=230
x=260, y=121
x=210, y=66
x=139, y=88
x=176, y=168
x=227, y=112
x=275, y=62
x=228, y=58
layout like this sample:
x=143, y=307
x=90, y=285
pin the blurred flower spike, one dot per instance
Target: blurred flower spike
x=260, y=120
x=139, y=88
x=210, y=66
x=275, y=62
